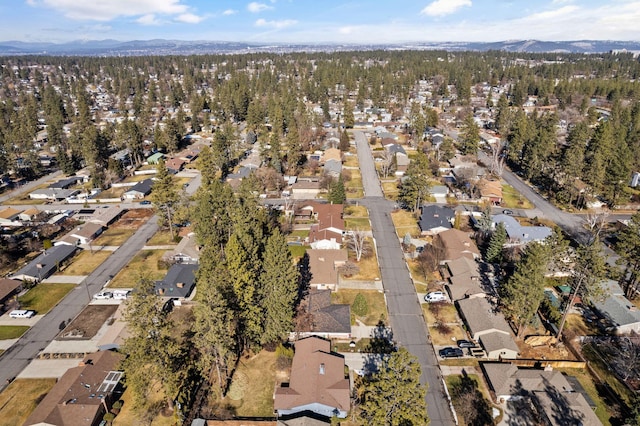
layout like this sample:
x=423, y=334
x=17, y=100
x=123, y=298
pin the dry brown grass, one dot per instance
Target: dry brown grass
x=368, y=268
x=162, y=237
x=85, y=263
x=21, y=397
x=404, y=222
x=113, y=237
x=356, y=211
x=375, y=302
x=128, y=417
x=144, y=263
x=251, y=392
x=440, y=312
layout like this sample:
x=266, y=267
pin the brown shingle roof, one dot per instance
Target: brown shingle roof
x=324, y=265
x=456, y=244
x=7, y=287
x=317, y=376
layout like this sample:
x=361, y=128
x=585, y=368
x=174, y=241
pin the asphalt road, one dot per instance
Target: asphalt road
x=405, y=314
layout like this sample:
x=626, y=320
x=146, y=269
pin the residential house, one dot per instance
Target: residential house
x=463, y=278
x=9, y=216
x=305, y=189
x=29, y=214
x=139, y=190
x=45, y=264
x=187, y=251
x=155, y=158
x=66, y=183
x=179, y=282
x=454, y=244
x=317, y=382
x=324, y=267
x=82, y=395
x=556, y=400
x=490, y=191
x=87, y=233
x=174, y=164
x=324, y=319
x=488, y=327
x=617, y=312
x=439, y=193
x=243, y=172
x=106, y=217
x=332, y=162
x=8, y=289
x=400, y=155
x=435, y=219
x=53, y=194
x=327, y=232
x=518, y=234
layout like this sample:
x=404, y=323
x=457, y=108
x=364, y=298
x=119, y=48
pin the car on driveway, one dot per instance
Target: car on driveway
x=103, y=295
x=466, y=344
x=145, y=202
x=507, y=211
x=450, y=352
x=21, y=313
x=435, y=296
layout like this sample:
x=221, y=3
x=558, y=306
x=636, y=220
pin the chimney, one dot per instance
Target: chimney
x=180, y=285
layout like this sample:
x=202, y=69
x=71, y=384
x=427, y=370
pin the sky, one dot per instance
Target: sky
x=319, y=21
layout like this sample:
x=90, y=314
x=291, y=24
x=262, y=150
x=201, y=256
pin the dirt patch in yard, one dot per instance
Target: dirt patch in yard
x=87, y=324
x=133, y=219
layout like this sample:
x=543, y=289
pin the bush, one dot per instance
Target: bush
x=284, y=356
x=109, y=417
x=360, y=307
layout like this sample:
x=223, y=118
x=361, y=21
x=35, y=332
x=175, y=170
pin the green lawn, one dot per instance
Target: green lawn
x=298, y=251
x=361, y=223
x=12, y=331
x=44, y=296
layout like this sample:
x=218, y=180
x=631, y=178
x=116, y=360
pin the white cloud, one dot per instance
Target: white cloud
x=189, y=18
x=105, y=10
x=444, y=7
x=275, y=24
x=255, y=7
x=229, y=12
x=149, y=19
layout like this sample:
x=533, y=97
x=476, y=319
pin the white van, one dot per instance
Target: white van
x=435, y=296
x=22, y=313
x=121, y=294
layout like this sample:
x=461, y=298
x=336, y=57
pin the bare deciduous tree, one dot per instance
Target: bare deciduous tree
x=497, y=158
x=595, y=221
x=357, y=243
x=386, y=164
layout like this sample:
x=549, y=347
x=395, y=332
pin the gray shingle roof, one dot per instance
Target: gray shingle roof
x=434, y=216
x=178, y=282
x=520, y=233
x=48, y=261
x=481, y=318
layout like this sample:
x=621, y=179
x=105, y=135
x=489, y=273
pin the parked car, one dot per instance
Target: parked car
x=145, y=202
x=435, y=296
x=507, y=211
x=103, y=295
x=450, y=352
x=121, y=294
x=21, y=313
x=466, y=344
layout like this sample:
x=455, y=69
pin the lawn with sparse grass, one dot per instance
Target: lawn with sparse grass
x=298, y=251
x=163, y=237
x=128, y=417
x=86, y=262
x=44, y=296
x=356, y=211
x=146, y=264
x=460, y=362
x=512, y=199
x=114, y=237
x=440, y=312
x=404, y=222
x=299, y=233
x=361, y=223
x=12, y=331
x=377, y=309
x=350, y=161
x=113, y=192
x=368, y=268
x=390, y=189
x=21, y=397
x=251, y=390
x=341, y=346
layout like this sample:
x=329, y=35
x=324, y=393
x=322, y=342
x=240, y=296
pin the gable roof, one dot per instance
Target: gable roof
x=463, y=266
x=187, y=247
x=435, y=216
x=77, y=399
x=616, y=308
x=497, y=341
x=480, y=317
x=332, y=154
x=9, y=213
x=46, y=263
x=179, y=281
x=142, y=187
x=327, y=317
x=518, y=233
x=456, y=244
x=7, y=287
x=317, y=377
x=462, y=286
x=324, y=264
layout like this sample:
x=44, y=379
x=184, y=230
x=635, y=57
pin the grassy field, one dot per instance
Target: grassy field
x=390, y=189
x=128, y=417
x=251, y=391
x=298, y=251
x=512, y=199
x=299, y=233
x=21, y=397
x=85, y=263
x=375, y=301
x=350, y=161
x=356, y=211
x=145, y=262
x=443, y=312
x=114, y=237
x=361, y=223
x=113, y=192
x=162, y=237
x=12, y=331
x=447, y=315
x=404, y=222
x=44, y=296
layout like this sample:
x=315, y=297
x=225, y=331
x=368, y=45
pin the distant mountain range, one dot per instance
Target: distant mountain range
x=179, y=47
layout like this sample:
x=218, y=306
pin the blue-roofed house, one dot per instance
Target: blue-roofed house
x=155, y=158
x=518, y=234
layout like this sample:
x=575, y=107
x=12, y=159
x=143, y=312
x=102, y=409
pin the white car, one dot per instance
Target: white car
x=435, y=296
x=103, y=295
x=22, y=313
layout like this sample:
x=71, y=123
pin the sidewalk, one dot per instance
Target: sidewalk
x=65, y=279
